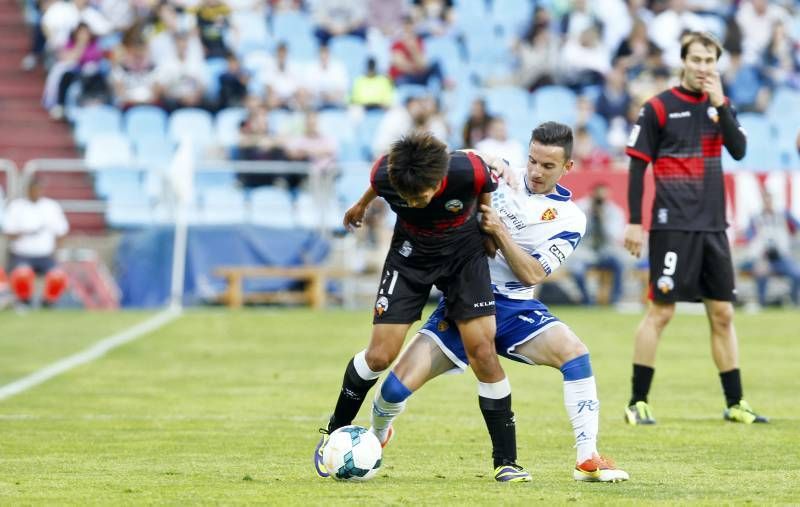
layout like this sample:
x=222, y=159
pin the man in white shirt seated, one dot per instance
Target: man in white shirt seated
x=35, y=226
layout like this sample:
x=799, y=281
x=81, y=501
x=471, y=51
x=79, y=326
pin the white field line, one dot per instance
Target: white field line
x=90, y=354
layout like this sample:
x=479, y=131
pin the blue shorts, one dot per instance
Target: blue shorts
x=518, y=321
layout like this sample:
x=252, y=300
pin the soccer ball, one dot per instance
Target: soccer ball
x=352, y=453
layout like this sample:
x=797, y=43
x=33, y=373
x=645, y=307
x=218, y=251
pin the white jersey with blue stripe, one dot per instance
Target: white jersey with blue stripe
x=548, y=227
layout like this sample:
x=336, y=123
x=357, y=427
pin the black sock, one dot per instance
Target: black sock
x=640, y=383
x=354, y=390
x=502, y=429
x=731, y=386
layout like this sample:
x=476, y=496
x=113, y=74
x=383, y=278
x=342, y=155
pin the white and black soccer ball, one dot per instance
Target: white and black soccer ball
x=352, y=453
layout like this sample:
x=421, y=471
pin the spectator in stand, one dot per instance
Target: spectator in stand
x=384, y=16
x=409, y=63
x=397, y=122
x=668, y=26
x=339, y=17
x=578, y=18
x=213, y=23
x=182, y=79
x=757, y=19
x=372, y=90
x=434, y=18
x=587, y=155
x=476, y=128
x=601, y=248
x=163, y=33
x=312, y=145
x=538, y=54
x=282, y=79
x=133, y=77
x=233, y=83
x=500, y=145
x=327, y=80
x=258, y=142
x=80, y=60
x=633, y=51
x=614, y=99
x=35, y=227
x=432, y=119
x=770, y=249
x=781, y=60
x=585, y=59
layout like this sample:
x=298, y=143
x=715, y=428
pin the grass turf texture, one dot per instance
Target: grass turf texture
x=220, y=408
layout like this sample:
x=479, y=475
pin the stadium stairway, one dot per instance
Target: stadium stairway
x=26, y=130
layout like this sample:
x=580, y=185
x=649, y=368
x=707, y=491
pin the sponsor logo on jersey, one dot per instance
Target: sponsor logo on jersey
x=713, y=114
x=549, y=214
x=405, y=249
x=681, y=114
x=663, y=215
x=517, y=222
x=634, y=133
x=665, y=284
x=381, y=305
x=442, y=326
x=558, y=253
x=483, y=304
x=454, y=205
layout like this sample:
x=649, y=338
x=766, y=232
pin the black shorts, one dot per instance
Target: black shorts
x=404, y=288
x=690, y=266
x=39, y=265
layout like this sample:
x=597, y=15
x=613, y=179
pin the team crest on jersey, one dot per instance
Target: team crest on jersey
x=713, y=114
x=381, y=305
x=454, y=205
x=442, y=326
x=549, y=214
x=665, y=284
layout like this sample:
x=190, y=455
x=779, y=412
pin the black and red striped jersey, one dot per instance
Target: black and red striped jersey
x=447, y=225
x=679, y=132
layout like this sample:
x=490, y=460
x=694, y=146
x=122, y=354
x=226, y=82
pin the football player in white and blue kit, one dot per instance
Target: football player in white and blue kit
x=535, y=229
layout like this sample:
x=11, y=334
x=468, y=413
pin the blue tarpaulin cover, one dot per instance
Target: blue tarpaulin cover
x=144, y=260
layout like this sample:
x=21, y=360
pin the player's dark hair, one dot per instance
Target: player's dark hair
x=705, y=38
x=417, y=162
x=552, y=133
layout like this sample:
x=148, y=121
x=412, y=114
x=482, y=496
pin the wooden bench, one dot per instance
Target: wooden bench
x=312, y=292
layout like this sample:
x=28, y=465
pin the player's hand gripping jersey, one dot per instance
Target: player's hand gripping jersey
x=681, y=135
x=447, y=225
x=549, y=227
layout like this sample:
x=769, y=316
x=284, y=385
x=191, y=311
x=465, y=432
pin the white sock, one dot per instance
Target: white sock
x=496, y=390
x=583, y=409
x=383, y=413
x=360, y=364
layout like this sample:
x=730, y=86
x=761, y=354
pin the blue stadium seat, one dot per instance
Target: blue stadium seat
x=98, y=119
x=194, y=122
x=402, y=92
x=352, y=181
x=367, y=129
x=507, y=101
x=227, y=125
x=223, y=206
x=153, y=152
x=111, y=156
x=512, y=16
x=784, y=99
x=471, y=14
x=336, y=123
x=215, y=67
x=272, y=206
x=296, y=29
x=311, y=214
x=352, y=52
x=145, y=121
x=556, y=103
x=252, y=32
x=446, y=51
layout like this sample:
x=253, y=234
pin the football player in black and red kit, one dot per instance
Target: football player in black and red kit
x=681, y=132
x=436, y=241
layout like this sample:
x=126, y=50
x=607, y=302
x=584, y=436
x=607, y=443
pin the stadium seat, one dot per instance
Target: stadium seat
x=153, y=152
x=352, y=181
x=311, y=214
x=227, y=124
x=470, y=14
x=446, y=51
x=93, y=120
x=507, y=101
x=556, y=103
x=111, y=156
x=215, y=67
x=512, y=16
x=367, y=129
x=336, y=123
x=214, y=177
x=251, y=28
x=784, y=99
x=194, y=122
x=296, y=29
x=403, y=92
x=352, y=52
x=145, y=121
x=271, y=206
x=223, y=206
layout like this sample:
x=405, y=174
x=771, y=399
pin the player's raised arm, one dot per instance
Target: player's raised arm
x=497, y=166
x=354, y=216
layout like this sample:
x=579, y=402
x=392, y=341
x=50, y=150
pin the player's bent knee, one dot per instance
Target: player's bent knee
x=482, y=354
x=571, y=349
x=722, y=315
x=661, y=314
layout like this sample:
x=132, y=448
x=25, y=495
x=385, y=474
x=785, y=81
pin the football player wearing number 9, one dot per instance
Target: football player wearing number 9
x=535, y=229
x=681, y=132
x=436, y=241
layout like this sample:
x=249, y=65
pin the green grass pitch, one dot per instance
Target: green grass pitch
x=223, y=407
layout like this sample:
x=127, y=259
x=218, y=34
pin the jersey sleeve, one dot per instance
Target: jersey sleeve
x=553, y=252
x=376, y=175
x=484, y=179
x=643, y=139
